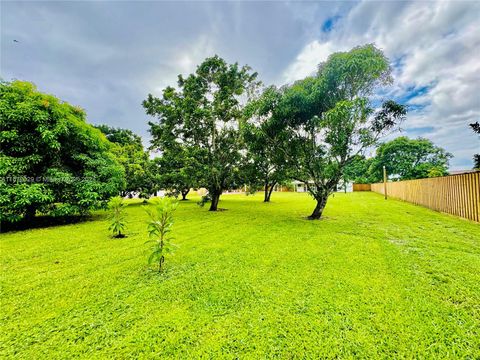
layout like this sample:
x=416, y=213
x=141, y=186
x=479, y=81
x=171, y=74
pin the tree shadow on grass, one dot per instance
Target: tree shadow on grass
x=40, y=222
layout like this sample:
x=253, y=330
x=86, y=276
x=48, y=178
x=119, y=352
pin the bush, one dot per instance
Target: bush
x=51, y=161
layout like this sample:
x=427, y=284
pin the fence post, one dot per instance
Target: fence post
x=385, y=182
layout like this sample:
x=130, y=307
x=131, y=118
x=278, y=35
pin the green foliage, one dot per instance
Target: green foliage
x=436, y=172
x=116, y=207
x=406, y=159
x=51, y=160
x=199, y=123
x=121, y=136
x=358, y=170
x=139, y=171
x=160, y=227
x=309, y=131
x=177, y=170
x=204, y=200
x=265, y=165
x=288, y=185
x=476, y=161
x=375, y=280
x=330, y=120
x=251, y=190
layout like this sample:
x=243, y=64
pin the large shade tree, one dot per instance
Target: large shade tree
x=176, y=168
x=51, y=160
x=265, y=164
x=330, y=118
x=203, y=117
x=406, y=159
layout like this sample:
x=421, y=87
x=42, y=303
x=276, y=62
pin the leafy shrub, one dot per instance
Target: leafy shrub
x=159, y=228
x=251, y=190
x=204, y=199
x=51, y=160
x=288, y=185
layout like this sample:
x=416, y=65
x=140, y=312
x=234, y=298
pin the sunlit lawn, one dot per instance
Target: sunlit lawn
x=375, y=278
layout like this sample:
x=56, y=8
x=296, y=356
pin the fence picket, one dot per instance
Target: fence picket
x=455, y=194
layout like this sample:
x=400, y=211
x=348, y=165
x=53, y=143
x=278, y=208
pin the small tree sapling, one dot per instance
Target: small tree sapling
x=159, y=228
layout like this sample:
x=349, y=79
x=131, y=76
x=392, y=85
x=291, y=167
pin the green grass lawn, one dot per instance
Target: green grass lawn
x=375, y=278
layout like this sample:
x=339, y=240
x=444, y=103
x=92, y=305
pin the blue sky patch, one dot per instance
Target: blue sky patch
x=419, y=131
x=328, y=25
x=411, y=93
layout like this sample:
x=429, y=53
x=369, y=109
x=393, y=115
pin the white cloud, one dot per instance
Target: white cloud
x=189, y=57
x=183, y=60
x=439, y=47
x=307, y=61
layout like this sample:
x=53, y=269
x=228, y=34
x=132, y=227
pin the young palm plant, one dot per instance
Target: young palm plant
x=117, y=217
x=159, y=228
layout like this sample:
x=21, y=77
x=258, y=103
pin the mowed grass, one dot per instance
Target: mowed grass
x=374, y=279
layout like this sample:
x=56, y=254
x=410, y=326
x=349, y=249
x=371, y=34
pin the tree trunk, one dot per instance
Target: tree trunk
x=215, y=199
x=268, y=192
x=265, y=193
x=317, y=212
x=185, y=193
x=29, y=213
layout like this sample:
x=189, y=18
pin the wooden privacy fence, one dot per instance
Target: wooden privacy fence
x=455, y=194
x=362, y=187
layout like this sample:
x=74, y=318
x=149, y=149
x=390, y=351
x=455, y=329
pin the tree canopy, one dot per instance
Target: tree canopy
x=359, y=170
x=202, y=116
x=120, y=136
x=129, y=151
x=330, y=118
x=265, y=165
x=406, y=159
x=177, y=171
x=51, y=160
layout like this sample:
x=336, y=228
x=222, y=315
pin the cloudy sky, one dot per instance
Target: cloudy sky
x=107, y=56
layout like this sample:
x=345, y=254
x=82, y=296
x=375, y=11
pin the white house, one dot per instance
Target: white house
x=302, y=187
x=345, y=187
